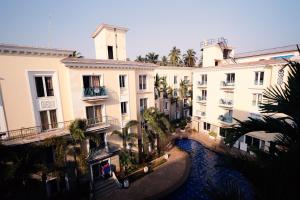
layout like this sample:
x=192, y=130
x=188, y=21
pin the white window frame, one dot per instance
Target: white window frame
x=142, y=83
x=258, y=75
x=144, y=105
x=206, y=126
x=175, y=80
x=256, y=99
x=44, y=85
x=231, y=79
x=204, y=78
x=124, y=81
x=126, y=107
x=166, y=105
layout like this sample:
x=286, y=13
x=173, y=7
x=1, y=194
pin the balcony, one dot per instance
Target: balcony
x=227, y=85
x=201, y=99
x=225, y=119
x=94, y=93
x=39, y=133
x=200, y=113
x=228, y=103
x=201, y=84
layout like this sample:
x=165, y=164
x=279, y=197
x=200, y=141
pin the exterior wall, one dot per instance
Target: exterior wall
x=107, y=38
x=242, y=93
x=169, y=72
x=211, y=54
x=3, y=127
x=16, y=70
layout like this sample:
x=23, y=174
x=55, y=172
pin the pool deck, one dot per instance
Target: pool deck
x=164, y=180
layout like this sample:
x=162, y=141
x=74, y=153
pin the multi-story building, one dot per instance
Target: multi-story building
x=176, y=105
x=230, y=86
x=43, y=90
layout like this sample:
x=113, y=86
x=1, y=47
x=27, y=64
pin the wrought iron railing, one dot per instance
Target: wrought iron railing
x=59, y=126
x=226, y=102
x=227, y=84
x=201, y=98
x=202, y=83
x=94, y=91
x=226, y=119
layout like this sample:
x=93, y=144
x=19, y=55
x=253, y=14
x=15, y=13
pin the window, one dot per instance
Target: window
x=110, y=52
x=48, y=119
x=94, y=114
x=91, y=81
x=206, y=126
x=175, y=93
x=185, y=78
x=124, y=108
x=143, y=104
x=204, y=78
x=142, y=82
x=166, y=105
x=204, y=94
x=224, y=132
x=122, y=79
x=259, y=78
x=175, y=79
x=230, y=78
x=185, y=102
x=44, y=86
x=251, y=141
x=256, y=99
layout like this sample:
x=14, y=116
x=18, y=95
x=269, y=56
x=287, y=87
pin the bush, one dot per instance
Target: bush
x=213, y=134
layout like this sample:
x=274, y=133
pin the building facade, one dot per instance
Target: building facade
x=230, y=87
x=175, y=103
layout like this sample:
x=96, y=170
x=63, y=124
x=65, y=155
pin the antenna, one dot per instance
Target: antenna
x=49, y=31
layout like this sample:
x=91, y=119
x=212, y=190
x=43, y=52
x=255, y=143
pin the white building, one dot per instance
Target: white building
x=230, y=86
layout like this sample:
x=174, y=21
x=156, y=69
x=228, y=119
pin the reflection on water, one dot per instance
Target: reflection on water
x=206, y=168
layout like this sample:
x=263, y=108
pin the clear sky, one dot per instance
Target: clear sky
x=154, y=25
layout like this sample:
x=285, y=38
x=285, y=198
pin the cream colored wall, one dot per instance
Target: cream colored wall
x=16, y=93
x=242, y=92
x=210, y=54
x=107, y=38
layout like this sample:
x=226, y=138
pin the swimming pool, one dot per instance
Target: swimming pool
x=206, y=168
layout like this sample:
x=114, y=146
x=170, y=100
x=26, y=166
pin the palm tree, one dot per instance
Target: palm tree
x=174, y=56
x=140, y=59
x=164, y=61
x=152, y=57
x=183, y=89
x=156, y=125
x=128, y=138
x=76, y=54
x=190, y=58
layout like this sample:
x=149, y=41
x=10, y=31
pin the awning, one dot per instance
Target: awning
x=269, y=137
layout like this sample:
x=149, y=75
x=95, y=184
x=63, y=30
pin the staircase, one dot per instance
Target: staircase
x=103, y=189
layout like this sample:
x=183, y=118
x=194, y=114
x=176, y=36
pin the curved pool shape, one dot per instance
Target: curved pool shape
x=206, y=168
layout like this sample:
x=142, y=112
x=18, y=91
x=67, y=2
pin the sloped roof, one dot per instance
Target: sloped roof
x=102, y=26
x=288, y=48
x=99, y=63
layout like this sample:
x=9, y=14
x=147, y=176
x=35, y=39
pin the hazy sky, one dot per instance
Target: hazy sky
x=154, y=25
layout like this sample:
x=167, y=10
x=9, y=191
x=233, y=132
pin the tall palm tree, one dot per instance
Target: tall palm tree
x=125, y=135
x=140, y=59
x=190, y=58
x=152, y=57
x=156, y=124
x=164, y=61
x=174, y=56
x=183, y=89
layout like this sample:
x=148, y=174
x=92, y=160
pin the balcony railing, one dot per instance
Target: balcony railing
x=202, y=83
x=201, y=98
x=200, y=113
x=226, y=84
x=226, y=119
x=226, y=102
x=94, y=92
x=61, y=128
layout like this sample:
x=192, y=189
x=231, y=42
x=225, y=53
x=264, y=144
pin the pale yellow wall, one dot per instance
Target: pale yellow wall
x=210, y=54
x=107, y=38
x=16, y=89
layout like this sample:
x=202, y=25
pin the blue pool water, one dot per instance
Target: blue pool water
x=207, y=168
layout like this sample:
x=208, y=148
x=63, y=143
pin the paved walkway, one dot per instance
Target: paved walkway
x=164, y=180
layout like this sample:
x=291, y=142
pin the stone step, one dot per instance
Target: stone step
x=104, y=188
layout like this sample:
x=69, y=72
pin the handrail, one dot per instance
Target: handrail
x=31, y=131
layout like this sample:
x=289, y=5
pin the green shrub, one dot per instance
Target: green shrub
x=213, y=134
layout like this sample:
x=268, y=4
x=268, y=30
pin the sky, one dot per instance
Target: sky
x=154, y=26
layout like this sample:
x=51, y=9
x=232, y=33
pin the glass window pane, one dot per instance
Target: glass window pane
x=49, y=86
x=261, y=79
x=53, y=119
x=96, y=81
x=98, y=113
x=44, y=120
x=39, y=86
